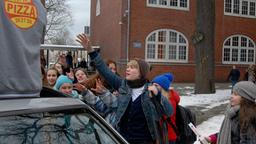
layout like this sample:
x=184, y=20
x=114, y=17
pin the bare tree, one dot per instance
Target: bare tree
x=203, y=40
x=62, y=37
x=58, y=19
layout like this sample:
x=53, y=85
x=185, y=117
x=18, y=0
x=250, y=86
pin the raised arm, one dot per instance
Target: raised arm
x=109, y=76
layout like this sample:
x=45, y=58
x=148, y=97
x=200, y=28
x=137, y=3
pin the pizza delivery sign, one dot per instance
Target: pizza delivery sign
x=22, y=13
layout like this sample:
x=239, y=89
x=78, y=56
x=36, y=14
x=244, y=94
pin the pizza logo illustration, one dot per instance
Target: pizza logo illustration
x=23, y=13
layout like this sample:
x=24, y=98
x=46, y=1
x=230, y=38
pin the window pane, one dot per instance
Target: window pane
x=166, y=46
x=252, y=8
x=228, y=6
x=243, y=55
x=227, y=43
x=235, y=41
x=251, y=44
x=226, y=54
x=152, y=2
x=183, y=3
x=151, y=51
x=243, y=42
x=173, y=2
x=152, y=38
x=162, y=36
x=172, y=52
x=161, y=52
x=244, y=7
x=182, y=52
x=173, y=37
x=181, y=39
x=250, y=55
x=234, y=55
x=241, y=49
x=236, y=7
x=98, y=8
x=163, y=2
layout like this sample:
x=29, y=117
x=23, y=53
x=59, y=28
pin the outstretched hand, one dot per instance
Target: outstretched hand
x=99, y=87
x=84, y=41
x=79, y=87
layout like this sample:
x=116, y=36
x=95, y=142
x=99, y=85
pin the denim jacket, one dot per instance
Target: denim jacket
x=102, y=103
x=125, y=94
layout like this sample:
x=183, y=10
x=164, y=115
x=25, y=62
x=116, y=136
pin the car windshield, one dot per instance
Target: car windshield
x=73, y=126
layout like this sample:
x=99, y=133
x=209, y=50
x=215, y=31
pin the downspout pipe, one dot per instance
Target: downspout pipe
x=128, y=30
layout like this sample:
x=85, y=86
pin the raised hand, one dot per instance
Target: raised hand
x=84, y=41
x=79, y=87
x=99, y=87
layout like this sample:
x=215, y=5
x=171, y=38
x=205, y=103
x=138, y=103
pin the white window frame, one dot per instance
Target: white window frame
x=178, y=7
x=239, y=50
x=97, y=7
x=240, y=9
x=167, y=44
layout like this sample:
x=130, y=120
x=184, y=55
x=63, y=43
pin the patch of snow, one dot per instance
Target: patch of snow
x=206, y=99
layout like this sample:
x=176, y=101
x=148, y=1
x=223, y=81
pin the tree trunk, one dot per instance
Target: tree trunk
x=203, y=40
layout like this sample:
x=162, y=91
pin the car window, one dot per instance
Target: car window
x=54, y=128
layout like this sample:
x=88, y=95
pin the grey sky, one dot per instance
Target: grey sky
x=81, y=15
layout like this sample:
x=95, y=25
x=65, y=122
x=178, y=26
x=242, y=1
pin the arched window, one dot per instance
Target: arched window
x=238, y=49
x=166, y=45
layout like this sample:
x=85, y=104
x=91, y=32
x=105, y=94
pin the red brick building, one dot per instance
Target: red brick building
x=160, y=32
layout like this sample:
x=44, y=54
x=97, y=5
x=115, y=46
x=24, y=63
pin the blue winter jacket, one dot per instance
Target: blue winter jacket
x=125, y=94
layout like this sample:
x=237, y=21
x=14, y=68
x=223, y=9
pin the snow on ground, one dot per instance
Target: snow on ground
x=210, y=126
x=207, y=101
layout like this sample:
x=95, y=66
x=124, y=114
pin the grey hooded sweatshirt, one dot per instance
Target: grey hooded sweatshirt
x=21, y=30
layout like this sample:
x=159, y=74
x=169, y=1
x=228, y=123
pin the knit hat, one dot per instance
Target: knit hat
x=143, y=67
x=246, y=89
x=164, y=80
x=61, y=80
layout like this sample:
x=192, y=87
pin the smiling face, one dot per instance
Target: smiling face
x=66, y=88
x=51, y=77
x=132, y=71
x=235, y=99
x=80, y=76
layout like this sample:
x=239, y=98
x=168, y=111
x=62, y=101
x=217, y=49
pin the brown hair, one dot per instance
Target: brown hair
x=43, y=75
x=247, y=114
x=110, y=62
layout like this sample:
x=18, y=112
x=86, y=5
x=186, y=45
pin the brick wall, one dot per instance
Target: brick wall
x=145, y=19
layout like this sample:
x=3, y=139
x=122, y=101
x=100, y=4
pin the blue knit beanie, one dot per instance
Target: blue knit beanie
x=164, y=80
x=61, y=80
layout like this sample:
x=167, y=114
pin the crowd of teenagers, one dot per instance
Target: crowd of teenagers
x=129, y=104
